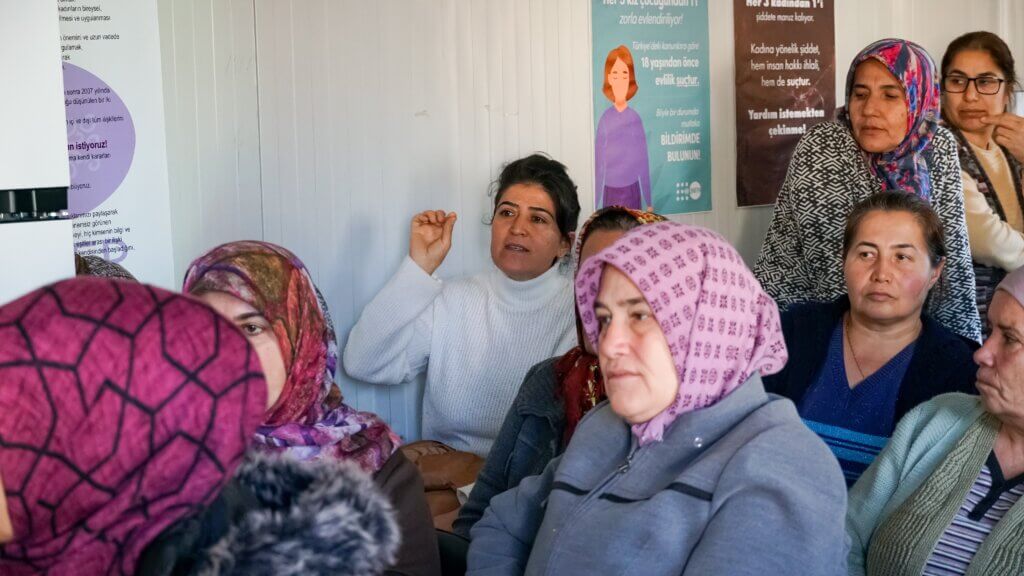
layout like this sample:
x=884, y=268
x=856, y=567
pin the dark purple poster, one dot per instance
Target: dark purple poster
x=785, y=84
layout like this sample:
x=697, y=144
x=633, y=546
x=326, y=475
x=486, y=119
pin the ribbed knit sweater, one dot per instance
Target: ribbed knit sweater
x=929, y=464
x=476, y=337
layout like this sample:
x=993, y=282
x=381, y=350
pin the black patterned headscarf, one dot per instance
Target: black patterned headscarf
x=96, y=266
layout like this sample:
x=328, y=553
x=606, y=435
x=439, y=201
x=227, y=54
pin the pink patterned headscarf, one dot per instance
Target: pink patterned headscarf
x=721, y=327
x=123, y=408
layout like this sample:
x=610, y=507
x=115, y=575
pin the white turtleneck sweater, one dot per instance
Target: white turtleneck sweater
x=477, y=337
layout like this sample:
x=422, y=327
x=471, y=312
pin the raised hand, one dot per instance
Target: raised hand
x=1009, y=132
x=430, y=238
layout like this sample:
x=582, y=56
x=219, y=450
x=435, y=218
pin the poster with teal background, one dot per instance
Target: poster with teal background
x=652, y=142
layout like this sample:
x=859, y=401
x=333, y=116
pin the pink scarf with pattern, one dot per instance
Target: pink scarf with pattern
x=720, y=326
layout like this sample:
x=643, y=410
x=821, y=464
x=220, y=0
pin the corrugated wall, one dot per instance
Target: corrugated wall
x=324, y=125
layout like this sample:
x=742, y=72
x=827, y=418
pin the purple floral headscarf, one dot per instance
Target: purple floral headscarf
x=904, y=167
x=309, y=420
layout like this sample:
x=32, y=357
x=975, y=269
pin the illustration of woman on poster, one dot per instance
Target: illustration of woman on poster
x=620, y=148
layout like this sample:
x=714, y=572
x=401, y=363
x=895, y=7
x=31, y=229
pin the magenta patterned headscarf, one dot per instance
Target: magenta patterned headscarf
x=309, y=420
x=903, y=168
x=123, y=408
x=720, y=325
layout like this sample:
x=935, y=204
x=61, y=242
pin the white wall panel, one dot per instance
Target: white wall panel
x=33, y=148
x=324, y=125
x=208, y=54
x=930, y=23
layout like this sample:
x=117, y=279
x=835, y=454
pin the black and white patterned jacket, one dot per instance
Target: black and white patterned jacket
x=801, y=259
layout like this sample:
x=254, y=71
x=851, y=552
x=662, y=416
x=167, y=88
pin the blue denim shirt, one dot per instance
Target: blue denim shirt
x=530, y=437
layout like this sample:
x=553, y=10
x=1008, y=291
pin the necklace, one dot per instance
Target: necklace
x=846, y=332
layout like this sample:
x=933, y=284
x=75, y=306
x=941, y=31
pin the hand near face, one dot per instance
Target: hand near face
x=430, y=238
x=1009, y=132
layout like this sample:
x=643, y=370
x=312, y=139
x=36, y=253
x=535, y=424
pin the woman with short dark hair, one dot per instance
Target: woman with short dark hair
x=859, y=363
x=476, y=337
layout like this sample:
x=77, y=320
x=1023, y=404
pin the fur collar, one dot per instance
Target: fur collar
x=322, y=517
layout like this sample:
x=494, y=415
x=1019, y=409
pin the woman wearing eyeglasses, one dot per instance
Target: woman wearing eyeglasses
x=978, y=80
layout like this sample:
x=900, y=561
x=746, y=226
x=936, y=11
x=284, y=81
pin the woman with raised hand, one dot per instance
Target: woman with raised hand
x=266, y=291
x=887, y=137
x=476, y=337
x=690, y=467
x=126, y=413
x=978, y=79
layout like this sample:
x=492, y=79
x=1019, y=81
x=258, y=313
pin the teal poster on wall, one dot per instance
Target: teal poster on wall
x=652, y=143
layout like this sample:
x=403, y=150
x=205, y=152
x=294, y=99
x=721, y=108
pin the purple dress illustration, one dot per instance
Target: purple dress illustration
x=623, y=176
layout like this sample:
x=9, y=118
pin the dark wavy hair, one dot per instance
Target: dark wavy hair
x=898, y=201
x=552, y=176
x=991, y=44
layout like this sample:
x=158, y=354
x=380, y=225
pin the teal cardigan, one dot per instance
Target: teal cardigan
x=921, y=441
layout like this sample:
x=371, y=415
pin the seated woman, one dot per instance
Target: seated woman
x=859, y=363
x=978, y=80
x=476, y=337
x=887, y=138
x=126, y=409
x=690, y=467
x=944, y=495
x=555, y=394
x=267, y=292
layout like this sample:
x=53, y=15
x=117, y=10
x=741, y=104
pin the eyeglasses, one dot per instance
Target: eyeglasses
x=987, y=85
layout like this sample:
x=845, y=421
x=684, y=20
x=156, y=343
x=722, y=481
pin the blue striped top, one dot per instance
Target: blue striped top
x=855, y=423
x=986, y=503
